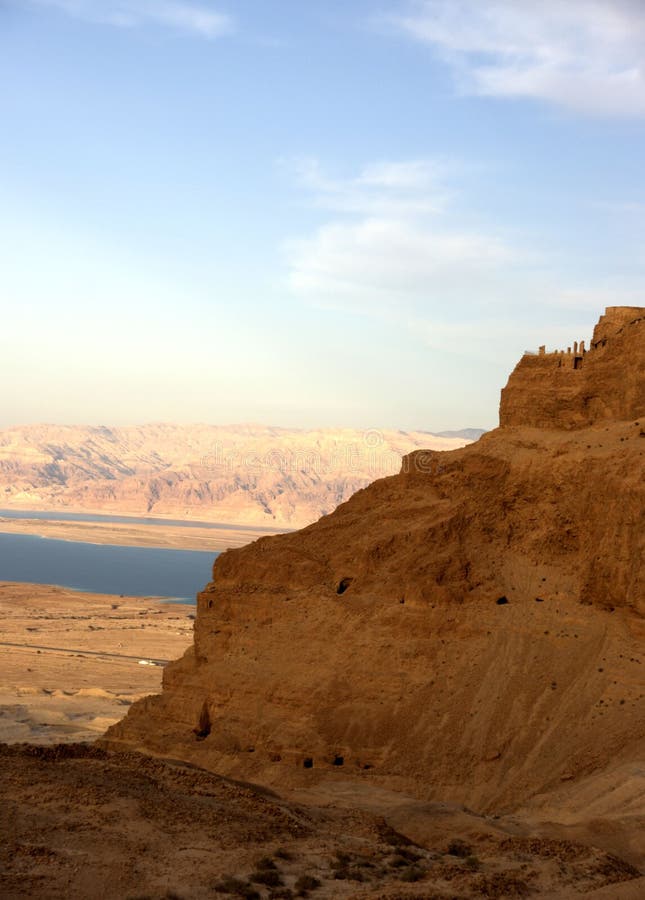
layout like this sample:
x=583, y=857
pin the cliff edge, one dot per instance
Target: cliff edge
x=470, y=629
x=577, y=387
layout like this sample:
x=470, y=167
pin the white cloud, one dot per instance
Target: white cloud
x=376, y=263
x=197, y=19
x=387, y=247
x=383, y=249
x=388, y=189
x=587, y=55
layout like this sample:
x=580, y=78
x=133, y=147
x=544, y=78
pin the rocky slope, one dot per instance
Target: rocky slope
x=158, y=829
x=470, y=629
x=247, y=474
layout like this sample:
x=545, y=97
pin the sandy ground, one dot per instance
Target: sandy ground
x=134, y=535
x=71, y=663
x=78, y=822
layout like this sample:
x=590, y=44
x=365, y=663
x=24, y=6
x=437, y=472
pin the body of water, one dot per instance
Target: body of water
x=105, y=569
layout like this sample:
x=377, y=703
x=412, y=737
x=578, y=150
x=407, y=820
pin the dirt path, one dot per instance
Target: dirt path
x=78, y=652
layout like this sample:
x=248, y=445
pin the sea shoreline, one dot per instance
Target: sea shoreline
x=82, y=514
x=174, y=537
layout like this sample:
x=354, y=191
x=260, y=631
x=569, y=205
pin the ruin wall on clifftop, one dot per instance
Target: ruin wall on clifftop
x=577, y=387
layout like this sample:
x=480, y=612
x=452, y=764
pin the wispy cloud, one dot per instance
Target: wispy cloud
x=393, y=244
x=412, y=187
x=196, y=19
x=587, y=55
x=379, y=263
x=387, y=247
x=621, y=208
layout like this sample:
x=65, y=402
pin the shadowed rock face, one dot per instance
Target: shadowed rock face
x=376, y=635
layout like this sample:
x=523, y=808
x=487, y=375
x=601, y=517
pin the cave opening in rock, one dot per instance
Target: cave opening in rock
x=308, y=762
x=343, y=584
x=501, y=601
x=204, y=725
x=338, y=761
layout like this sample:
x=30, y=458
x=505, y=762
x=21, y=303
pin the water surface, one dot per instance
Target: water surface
x=105, y=569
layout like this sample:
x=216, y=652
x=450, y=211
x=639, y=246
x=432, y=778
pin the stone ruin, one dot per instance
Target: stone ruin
x=578, y=386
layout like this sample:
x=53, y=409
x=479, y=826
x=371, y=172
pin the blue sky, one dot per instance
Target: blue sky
x=309, y=214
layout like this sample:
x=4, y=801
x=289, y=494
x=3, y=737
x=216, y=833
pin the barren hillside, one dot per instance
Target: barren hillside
x=239, y=474
x=469, y=630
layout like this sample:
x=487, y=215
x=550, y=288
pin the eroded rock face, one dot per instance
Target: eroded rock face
x=577, y=387
x=461, y=630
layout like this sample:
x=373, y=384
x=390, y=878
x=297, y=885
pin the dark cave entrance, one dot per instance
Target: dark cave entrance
x=204, y=725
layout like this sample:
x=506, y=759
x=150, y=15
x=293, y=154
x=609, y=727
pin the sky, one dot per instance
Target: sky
x=313, y=213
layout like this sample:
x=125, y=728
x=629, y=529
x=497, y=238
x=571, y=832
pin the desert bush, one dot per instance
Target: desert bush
x=269, y=877
x=355, y=875
x=460, y=848
x=342, y=860
x=412, y=873
x=304, y=884
x=501, y=884
x=236, y=887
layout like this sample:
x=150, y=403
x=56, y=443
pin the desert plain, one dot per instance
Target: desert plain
x=77, y=821
x=71, y=663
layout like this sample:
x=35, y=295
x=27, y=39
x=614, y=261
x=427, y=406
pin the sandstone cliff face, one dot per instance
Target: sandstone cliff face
x=577, y=388
x=470, y=629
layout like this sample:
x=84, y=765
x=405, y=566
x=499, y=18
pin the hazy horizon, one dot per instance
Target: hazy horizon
x=304, y=215
x=233, y=425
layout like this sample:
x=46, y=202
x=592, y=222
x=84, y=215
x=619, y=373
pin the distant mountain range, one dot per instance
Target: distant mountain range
x=246, y=474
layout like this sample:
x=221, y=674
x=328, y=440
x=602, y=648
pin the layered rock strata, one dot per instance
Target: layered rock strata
x=470, y=629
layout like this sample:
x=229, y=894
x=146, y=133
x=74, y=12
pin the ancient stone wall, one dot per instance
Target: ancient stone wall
x=576, y=387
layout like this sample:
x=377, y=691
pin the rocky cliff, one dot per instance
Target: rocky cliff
x=576, y=387
x=470, y=629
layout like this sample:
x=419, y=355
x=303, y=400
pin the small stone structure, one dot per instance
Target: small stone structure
x=576, y=387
